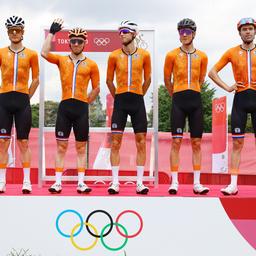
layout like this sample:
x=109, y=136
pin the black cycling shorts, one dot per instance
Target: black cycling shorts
x=244, y=103
x=129, y=104
x=187, y=103
x=15, y=106
x=72, y=113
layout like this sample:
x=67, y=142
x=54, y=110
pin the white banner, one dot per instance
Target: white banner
x=155, y=226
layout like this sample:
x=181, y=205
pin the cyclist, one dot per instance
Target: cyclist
x=187, y=65
x=16, y=61
x=76, y=70
x=243, y=61
x=132, y=67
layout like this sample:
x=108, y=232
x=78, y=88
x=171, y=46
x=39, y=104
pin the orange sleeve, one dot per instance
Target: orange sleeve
x=95, y=76
x=147, y=66
x=224, y=60
x=34, y=65
x=53, y=58
x=111, y=67
x=203, y=70
x=168, y=66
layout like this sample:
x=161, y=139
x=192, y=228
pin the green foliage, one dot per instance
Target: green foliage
x=207, y=95
x=97, y=115
x=50, y=113
x=35, y=115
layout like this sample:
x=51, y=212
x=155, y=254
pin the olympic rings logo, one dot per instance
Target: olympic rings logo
x=92, y=230
x=219, y=107
x=101, y=41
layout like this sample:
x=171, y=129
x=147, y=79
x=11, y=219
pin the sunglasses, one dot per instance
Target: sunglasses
x=14, y=30
x=185, y=32
x=76, y=41
x=124, y=31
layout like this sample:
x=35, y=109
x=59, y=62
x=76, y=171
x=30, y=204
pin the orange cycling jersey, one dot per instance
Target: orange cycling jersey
x=243, y=65
x=129, y=70
x=15, y=68
x=188, y=69
x=75, y=77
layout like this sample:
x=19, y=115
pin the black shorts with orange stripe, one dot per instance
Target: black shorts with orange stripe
x=129, y=104
x=187, y=103
x=15, y=106
x=72, y=113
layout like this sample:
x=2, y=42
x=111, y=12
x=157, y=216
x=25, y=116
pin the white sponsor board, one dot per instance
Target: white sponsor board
x=171, y=226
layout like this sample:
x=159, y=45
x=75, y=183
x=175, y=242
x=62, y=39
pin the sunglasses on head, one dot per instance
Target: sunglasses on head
x=14, y=30
x=124, y=31
x=76, y=41
x=185, y=32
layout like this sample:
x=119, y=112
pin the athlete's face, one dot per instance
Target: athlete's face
x=15, y=34
x=186, y=36
x=77, y=45
x=126, y=36
x=247, y=33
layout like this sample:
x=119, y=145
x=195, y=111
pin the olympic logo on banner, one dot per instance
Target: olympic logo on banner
x=92, y=230
x=101, y=41
x=219, y=108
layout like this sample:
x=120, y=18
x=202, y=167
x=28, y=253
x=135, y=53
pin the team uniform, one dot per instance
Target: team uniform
x=129, y=70
x=73, y=109
x=244, y=68
x=14, y=90
x=188, y=71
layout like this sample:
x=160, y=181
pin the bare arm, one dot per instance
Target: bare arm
x=111, y=87
x=146, y=85
x=33, y=86
x=168, y=85
x=55, y=27
x=93, y=94
x=47, y=45
x=213, y=74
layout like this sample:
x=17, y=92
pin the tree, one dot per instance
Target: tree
x=35, y=115
x=50, y=113
x=165, y=103
x=97, y=115
x=207, y=95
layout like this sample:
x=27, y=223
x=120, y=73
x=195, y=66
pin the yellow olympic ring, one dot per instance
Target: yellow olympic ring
x=74, y=243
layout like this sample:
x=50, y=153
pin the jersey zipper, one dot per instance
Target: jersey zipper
x=189, y=70
x=249, y=67
x=74, y=78
x=129, y=58
x=15, y=70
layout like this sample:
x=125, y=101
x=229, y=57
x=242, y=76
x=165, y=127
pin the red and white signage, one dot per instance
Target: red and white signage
x=219, y=136
x=97, y=41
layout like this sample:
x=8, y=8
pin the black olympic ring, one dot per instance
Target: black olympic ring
x=110, y=227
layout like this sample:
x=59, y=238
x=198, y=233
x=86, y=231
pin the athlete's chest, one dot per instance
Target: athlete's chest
x=183, y=60
x=134, y=61
x=243, y=58
x=81, y=68
x=12, y=60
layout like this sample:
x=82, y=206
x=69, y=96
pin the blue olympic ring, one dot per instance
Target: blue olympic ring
x=58, y=219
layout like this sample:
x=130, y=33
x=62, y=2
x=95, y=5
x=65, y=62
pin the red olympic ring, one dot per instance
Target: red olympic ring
x=141, y=224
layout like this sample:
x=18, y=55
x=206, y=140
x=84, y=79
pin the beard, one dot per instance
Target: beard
x=17, y=42
x=77, y=53
x=247, y=41
x=127, y=43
